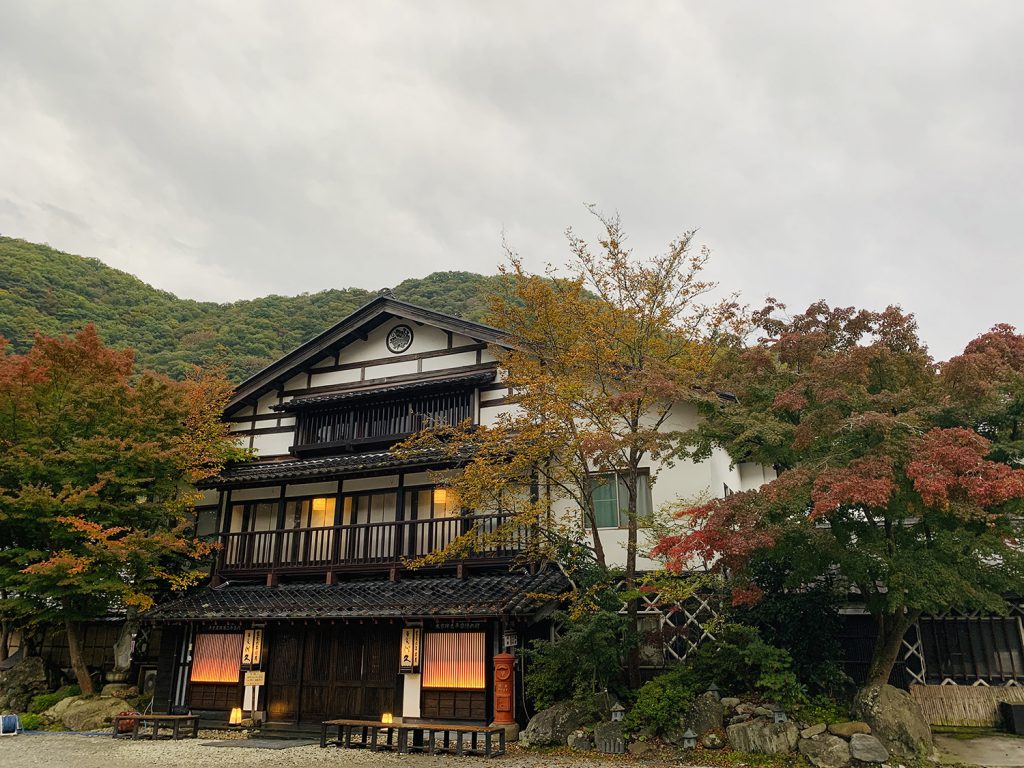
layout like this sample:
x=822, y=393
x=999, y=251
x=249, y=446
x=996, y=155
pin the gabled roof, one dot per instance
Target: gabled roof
x=476, y=596
x=357, y=325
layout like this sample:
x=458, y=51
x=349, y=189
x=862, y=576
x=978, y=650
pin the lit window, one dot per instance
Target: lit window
x=216, y=658
x=454, y=660
x=611, y=500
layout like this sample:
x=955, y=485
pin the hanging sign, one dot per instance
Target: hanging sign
x=252, y=647
x=255, y=678
x=411, y=649
x=510, y=639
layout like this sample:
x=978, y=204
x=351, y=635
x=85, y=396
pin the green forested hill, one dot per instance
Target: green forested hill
x=44, y=290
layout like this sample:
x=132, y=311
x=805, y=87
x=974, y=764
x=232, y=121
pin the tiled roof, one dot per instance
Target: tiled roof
x=317, y=468
x=475, y=596
x=329, y=398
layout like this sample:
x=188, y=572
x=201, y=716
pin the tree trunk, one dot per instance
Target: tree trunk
x=5, y=636
x=891, y=629
x=123, y=646
x=77, y=661
x=633, y=665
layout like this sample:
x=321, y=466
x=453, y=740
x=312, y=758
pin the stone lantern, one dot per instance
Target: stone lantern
x=689, y=739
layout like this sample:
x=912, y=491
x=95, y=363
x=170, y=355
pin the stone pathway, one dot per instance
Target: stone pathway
x=987, y=751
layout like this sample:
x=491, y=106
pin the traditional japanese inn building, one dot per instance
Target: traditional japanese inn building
x=311, y=612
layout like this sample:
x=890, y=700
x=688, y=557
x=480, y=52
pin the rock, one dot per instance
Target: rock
x=729, y=703
x=896, y=720
x=705, y=714
x=712, y=740
x=745, y=708
x=55, y=714
x=551, y=727
x=865, y=748
x=20, y=683
x=120, y=690
x=825, y=751
x=579, y=740
x=847, y=729
x=763, y=712
x=812, y=731
x=608, y=737
x=87, y=713
x=739, y=719
x=763, y=736
x=638, y=748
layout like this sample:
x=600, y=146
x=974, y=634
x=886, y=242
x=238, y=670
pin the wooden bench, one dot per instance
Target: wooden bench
x=155, y=721
x=434, y=738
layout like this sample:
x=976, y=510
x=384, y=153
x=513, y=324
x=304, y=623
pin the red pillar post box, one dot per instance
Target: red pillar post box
x=504, y=689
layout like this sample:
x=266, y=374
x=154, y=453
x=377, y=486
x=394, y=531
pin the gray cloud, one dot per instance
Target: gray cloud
x=865, y=153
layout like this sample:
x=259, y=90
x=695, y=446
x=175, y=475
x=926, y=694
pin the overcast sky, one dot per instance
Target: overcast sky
x=865, y=153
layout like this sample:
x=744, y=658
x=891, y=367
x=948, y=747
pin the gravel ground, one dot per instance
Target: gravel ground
x=60, y=750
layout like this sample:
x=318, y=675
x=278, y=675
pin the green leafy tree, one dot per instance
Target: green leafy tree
x=901, y=476
x=96, y=472
x=599, y=356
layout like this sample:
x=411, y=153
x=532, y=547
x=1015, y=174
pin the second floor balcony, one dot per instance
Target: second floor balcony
x=372, y=546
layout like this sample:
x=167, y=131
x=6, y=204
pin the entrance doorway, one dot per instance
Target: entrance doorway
x=332, y=671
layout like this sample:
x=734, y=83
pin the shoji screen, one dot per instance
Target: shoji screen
x=454, y=660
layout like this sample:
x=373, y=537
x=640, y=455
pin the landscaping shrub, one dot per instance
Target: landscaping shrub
x=822, y=709
x=44, y=701
x=660, y=703
x=32, y=722
x=804, y=621
x=587, y=657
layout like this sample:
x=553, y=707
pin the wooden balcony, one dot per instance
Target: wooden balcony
x=363, y=547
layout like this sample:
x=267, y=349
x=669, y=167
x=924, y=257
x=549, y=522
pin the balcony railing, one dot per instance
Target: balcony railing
x=367, y=546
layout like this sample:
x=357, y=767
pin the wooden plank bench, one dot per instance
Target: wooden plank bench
x=434, y=738
x=155, y=721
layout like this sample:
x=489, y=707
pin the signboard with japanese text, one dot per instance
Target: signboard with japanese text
x=410, y=649
x=252, y=647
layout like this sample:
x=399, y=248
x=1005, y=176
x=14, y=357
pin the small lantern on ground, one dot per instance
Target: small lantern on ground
x=713, y=690
x=235, y=718
x=689, y=739
x=618, y=712
x=778, y=713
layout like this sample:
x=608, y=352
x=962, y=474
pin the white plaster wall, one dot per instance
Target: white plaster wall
x=331, y=378
x=296, y=382
x=273, y=444
x=390, y=369
x=370, y=483
x=449, y=361
x=312, y=489
x=265, y=402
x=411, y=696
x=251, y=494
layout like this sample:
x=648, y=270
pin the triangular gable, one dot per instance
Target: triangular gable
x=356, y=326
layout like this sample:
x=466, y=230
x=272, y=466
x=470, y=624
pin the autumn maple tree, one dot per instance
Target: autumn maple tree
x=900, y=476
x=97, y=466
x=598, y=357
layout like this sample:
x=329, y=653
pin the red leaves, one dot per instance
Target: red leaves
x=866, y=482
x=950, y=469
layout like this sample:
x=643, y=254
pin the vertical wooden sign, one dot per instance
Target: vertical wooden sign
x=410, y=649
x=252, y=647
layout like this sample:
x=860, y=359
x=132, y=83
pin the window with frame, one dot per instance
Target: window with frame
x=455, y=660
x=216, y=658
x=611, y=499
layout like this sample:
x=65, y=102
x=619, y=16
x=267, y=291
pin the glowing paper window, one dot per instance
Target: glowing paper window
x=216, y=658
x=454, y=660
